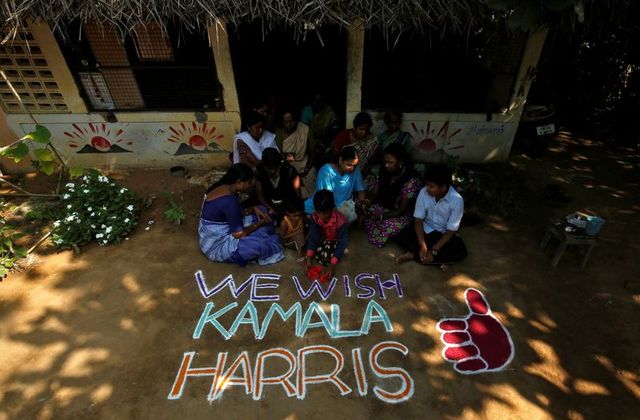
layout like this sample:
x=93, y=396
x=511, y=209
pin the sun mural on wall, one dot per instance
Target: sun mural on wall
x=196, y=138
x=97, y=138
x=432, y=140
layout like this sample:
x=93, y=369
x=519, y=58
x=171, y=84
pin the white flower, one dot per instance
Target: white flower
x=66, y=196
x=130, y=207
x=68, y=206
x=126, y=220
x=93, y=214
x=114, y=217
x=113, y=185
x=93, y=226
x=147, y=228
x=103, y=178
x=126, y=239
x=89, y=209
x=78, y=220
x=70, y=185
x=85, y=178
x=123, y=190
x=56, y=223
x=70, y=218
x=108, y=229
x=85, y=191
x=103, y=226
x=99, y=235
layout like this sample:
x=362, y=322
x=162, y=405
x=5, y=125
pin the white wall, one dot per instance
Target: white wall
x=137, y=140
x=469, y=136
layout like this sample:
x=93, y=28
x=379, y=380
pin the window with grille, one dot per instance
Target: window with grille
x=27, y=71
x=149, y=69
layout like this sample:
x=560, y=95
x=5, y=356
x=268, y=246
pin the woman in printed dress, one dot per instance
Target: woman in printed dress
x=396, y=189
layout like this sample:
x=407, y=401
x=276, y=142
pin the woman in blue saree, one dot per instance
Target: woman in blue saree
x=229, y=233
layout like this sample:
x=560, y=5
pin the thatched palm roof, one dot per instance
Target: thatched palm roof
x=392, y=16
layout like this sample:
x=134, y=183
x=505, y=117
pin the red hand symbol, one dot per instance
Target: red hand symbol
x=479, y=342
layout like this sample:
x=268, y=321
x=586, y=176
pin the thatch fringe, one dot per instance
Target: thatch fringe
x=392, y=16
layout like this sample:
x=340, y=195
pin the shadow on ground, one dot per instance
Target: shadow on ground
x=101, y=334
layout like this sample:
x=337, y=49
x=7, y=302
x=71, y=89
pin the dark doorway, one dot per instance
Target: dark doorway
x=419, y=74
x=286, y=69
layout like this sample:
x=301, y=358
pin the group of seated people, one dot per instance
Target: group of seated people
x=273, y=196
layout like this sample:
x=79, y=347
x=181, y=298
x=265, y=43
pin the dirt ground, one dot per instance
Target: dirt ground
x=102, y=334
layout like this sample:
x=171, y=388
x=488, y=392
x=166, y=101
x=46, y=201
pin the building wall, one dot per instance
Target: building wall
x=470, y=137
x=203, y=140
x=138, y=139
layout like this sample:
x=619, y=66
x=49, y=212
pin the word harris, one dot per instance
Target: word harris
x=295, y=380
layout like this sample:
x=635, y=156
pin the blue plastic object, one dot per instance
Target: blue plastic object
x=594, y=224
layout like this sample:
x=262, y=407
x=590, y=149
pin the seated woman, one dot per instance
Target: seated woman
x=249, y=144
x=344, y=180
x=323, y=125
x=395, y=192
x=393, y=134
x=229, y=234
x=292, y=138
x=277, y=180
x=361, y=138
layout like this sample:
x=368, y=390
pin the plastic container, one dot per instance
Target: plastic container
x=594, y=224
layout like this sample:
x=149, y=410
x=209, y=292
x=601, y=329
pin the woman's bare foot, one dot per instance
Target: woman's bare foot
x=407, y=256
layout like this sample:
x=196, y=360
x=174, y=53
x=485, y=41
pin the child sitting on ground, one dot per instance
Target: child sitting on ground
x=328, y=234
x=291, y=229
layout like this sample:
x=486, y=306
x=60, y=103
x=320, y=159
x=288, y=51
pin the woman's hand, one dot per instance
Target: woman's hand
x=262, y=216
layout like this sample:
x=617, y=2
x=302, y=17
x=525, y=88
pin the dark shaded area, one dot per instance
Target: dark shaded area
x=592, y=75
x=279, y=68
x=424, y=74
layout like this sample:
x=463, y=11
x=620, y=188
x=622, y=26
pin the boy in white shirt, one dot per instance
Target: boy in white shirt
x=433, y=238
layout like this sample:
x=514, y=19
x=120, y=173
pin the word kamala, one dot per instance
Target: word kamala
x=368, y=284
x=296, y=379
x=248, y=315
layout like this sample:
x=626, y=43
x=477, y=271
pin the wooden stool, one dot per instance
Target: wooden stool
x=565, y=238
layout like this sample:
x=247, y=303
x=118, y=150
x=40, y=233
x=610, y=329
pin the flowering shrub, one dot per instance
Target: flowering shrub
x=94, y=207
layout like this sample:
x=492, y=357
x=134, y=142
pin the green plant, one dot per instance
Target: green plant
x=94, y=207
x=46, y=211
x=45, y=158
x=175, y=212
x=9, y=252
